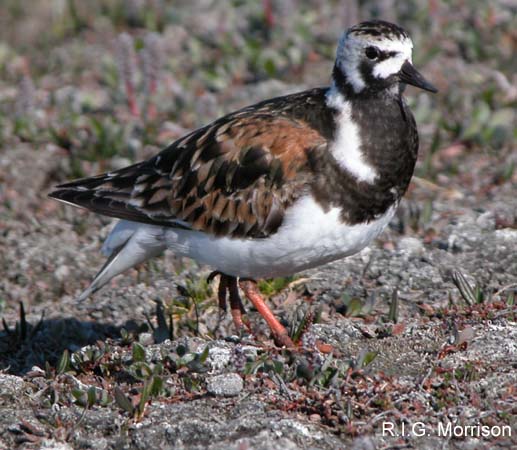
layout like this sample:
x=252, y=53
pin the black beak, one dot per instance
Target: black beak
x=408, y=74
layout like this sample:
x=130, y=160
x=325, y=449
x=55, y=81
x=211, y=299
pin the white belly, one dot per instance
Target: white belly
x=308, y=237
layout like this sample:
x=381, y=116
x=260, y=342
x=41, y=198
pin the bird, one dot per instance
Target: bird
x=275, y=188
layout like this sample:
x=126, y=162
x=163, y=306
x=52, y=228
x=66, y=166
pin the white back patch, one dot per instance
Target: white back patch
x=346, y=148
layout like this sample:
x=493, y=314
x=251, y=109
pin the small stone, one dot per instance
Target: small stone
x=62, y=273
x=486, y=221
x=411, y=246
x=11, y=385
x=146, y=338
x=506, y=234
x=51, y=444
x=226, y=385
x=363, y=443
x=37, y=371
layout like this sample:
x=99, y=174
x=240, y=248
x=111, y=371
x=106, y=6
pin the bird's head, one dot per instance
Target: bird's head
x=375, y=56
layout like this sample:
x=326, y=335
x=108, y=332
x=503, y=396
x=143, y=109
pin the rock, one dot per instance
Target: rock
x=486, y=221
x=226, y=385
x=363, y=443
x=506, y=234
x=11, y=385
x=410, y=246
x=51, y=444
x=62, y=273
x=146, y=338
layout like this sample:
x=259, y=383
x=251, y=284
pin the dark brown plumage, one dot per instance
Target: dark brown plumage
x=234, y=177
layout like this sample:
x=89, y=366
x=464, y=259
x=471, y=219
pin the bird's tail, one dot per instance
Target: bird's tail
x=127, y=245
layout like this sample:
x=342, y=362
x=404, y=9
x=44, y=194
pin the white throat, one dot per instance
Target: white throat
x=346, y=148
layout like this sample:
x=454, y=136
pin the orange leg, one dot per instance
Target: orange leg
x=228, y=288
x=236, y=305
x=280, y=334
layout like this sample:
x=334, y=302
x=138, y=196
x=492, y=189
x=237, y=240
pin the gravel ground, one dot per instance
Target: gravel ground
x=418, y=330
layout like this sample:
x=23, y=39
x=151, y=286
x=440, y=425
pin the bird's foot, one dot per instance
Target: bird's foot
x=280, y=334
x=236, y=306
x=229, y=292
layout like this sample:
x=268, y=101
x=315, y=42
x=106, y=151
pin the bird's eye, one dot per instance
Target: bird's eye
x=372, y=52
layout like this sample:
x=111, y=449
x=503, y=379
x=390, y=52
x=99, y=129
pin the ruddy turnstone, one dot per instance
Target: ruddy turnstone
x=278, y=187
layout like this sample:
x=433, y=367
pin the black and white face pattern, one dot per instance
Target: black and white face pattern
x=371, y=54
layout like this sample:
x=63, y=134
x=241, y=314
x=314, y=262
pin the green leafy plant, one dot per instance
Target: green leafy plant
x=354, y=306
x=91, y=396
x=393, y=313
x=88, y=358
x=274, y=285
x=471, y=295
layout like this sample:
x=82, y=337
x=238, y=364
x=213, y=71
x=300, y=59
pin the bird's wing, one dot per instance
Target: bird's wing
x=234, y=177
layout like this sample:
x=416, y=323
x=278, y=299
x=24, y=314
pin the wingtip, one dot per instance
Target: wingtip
x=59, y=191
x=54, y=194
x=66, y=196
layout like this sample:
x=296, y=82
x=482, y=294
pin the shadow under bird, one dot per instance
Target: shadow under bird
x=275, y=188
